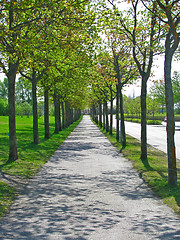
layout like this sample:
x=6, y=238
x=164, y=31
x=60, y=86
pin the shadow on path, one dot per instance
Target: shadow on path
x=87, y=191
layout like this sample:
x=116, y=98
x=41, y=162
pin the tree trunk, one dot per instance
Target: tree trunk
x=107, y=120
x=59, y=114
x=46, y=113
x=123, y=133
x=75, y=115
x=93, y=112
x=117, y=112
x=143, y=120
x=100, y=114
x=13, y=155
x=79, y=113
x=63, y=115
x=111, y=115
x=56, y=112
x=71, y=115
x=104, y=116
x=35, y=114
x=172, y=170
x=68, y=115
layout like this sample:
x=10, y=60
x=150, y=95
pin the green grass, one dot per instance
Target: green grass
x=154, y=172
x=7, y=195
x=158, y=117
x=149, y=122
x=31, y=156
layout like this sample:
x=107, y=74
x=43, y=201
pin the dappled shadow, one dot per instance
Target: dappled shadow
x=125, y=184
x=88, y=191
x=145, y=218
x=149, y=168
x=72, y=206
x=50, y=124
x=77, y=146
x=65, y=210
x=17, y=182
x=4, y=141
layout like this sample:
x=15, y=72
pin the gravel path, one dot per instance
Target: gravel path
x=88, y=191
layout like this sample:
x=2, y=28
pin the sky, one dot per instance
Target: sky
x=158, y=72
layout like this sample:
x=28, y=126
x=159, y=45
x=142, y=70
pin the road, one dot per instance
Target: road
x=156, y=135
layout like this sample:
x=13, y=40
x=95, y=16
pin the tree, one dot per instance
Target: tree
x=176, y=87
x=23, y=92
x=152, y=105
x=144, y=41
x=9, y=37
x=158, y=90
x=125, y=73
x=133, y=106
x=171, y=44
x=168, y=13
x=107, y=85
x=26, y=109
x=34, y=77
x=123, y=67
x=3, y=107
x=46, y=84
x=102, y=82
x=4, y=88
x=17, y=19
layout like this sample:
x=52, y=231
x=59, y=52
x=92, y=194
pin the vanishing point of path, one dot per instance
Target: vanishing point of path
x=88, y=191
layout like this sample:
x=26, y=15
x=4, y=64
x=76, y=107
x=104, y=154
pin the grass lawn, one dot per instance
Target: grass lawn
x=154, y=173
x=31, y=156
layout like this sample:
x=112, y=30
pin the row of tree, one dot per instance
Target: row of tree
x=157, y=91
x=131, y=38
x=49, y=44
x=155, y=99
x=71, y=48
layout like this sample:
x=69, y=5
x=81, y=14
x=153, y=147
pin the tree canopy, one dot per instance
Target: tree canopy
x=82, y=53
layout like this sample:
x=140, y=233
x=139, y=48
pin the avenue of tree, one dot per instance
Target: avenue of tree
x=81, y=54
x=150, y=28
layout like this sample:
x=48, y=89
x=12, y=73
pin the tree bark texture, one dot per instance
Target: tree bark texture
x=143, y=120
x=172, y=170
x=104, y=116
x=123, y=133
x=35, y=114
x=68, y=114
x=117, y=112
x=63, y=115
x=13, y=155
x=107, y=120
x=56, y=112
x=71, y=115
x=59, y=114
x=75, y=115
x=46, y=113
x=100, y=114
x=111, y=115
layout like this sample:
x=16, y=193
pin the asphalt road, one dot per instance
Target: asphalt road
x=156, y=135
x=88, y=191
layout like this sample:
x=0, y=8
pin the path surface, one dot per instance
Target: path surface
x=88, y=191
